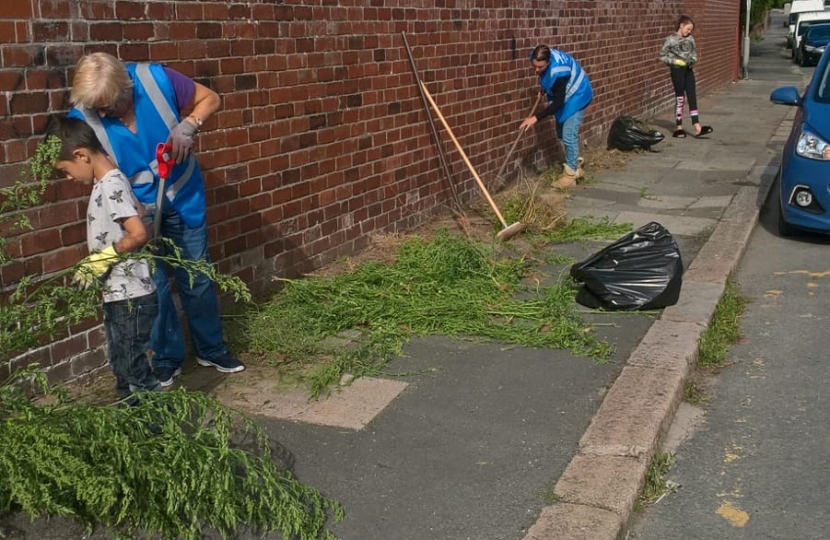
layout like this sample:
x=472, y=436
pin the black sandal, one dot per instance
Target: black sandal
x=679, y=134
x=704, y=130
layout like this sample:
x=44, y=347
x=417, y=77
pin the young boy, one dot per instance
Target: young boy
x=114, y=226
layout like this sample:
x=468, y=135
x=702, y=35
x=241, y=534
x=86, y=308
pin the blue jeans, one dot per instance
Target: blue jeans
x=568, y=133
x=198, y=296
x=128, y=324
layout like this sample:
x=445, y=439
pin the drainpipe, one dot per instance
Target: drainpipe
x=746, y=41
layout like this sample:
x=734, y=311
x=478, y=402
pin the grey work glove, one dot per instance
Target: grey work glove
x=181, y=137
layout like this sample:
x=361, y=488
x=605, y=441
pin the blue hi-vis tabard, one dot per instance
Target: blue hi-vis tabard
x=578, y=92
x=156, y=114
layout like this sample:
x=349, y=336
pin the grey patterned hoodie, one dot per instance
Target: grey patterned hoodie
x=679, y=47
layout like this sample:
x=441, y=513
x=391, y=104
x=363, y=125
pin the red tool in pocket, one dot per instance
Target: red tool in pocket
x=165, y=164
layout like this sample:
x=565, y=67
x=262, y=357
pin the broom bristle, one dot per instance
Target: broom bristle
x=509, y=232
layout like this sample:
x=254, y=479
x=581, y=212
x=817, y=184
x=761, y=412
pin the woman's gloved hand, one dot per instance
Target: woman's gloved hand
x=181, y=137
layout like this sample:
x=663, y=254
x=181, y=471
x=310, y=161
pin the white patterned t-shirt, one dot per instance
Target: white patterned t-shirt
x=112, y=201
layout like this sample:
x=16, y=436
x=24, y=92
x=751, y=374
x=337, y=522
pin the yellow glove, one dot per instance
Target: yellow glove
x=95, y=266
x=679, y=62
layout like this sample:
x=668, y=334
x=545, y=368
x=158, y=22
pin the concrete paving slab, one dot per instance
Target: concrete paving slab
x=607, y=482
x=736, y=165
x=668, y=345
x=635, y=413
x=574, y=522
x=697, y=303
x=677, y=225
x=353, y=406
x=712, y=202
x=665, y=202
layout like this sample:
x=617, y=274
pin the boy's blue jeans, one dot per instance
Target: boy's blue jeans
x=568, y=133
x=198, y=299
x=128, y=324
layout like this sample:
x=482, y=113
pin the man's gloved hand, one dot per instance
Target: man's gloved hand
x=95, y=266
x=679, y=62
x=181, y=137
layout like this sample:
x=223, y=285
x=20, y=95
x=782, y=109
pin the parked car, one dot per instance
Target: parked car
x=813, y=42
x=805, y=21
x=804, y=177
x=800, y=6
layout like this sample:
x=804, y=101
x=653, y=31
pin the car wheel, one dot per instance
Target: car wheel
x=801, y=61
x=784, y=228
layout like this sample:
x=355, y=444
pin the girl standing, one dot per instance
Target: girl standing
x=680, y=54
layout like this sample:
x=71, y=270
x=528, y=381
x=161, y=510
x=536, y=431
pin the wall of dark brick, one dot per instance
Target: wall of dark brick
x=322, y=137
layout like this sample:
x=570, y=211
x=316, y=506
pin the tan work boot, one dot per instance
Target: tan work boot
x=566, y=180
x=580, y=172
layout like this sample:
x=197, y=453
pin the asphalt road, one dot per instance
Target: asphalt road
x=756, y=468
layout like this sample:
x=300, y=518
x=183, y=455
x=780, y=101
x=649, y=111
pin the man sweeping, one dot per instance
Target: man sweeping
x=569, y=93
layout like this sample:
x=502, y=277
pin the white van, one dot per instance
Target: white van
x=801, y=6
x=804, y=21
x=787, y=8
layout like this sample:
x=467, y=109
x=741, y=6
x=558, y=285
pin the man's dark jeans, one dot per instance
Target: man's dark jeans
x=128, y=324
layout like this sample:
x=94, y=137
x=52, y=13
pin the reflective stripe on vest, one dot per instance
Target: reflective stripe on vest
x=142, y=71
x=135, y=156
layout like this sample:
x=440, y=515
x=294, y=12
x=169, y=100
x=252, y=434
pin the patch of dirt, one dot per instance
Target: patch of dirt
x=529, y=200
x=603, y=159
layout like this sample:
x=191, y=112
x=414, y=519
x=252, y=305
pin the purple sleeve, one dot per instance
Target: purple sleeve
x=183, y=87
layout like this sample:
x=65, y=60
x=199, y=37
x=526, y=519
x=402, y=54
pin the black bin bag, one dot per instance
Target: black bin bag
x=641, y=270
x=628, y=133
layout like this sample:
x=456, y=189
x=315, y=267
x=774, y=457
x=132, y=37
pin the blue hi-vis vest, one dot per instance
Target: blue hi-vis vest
x=156, y=114
x=578, y=93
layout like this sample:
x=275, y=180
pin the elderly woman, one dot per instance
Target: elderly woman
x=133, y=107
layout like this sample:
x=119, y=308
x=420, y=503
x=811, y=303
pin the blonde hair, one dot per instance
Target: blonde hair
x=99, y=78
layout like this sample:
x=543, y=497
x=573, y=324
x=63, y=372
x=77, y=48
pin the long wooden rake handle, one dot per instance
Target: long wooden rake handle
x=464, y=156
x=518, y=138
x=441, y=155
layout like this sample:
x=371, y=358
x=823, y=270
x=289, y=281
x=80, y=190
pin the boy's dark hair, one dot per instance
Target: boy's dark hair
x=73, y=133
x=684, y=19
x=541, y=54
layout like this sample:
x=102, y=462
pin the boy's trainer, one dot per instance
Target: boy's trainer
x=165, y=375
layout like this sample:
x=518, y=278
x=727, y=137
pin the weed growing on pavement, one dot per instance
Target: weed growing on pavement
x=724, y=330
x=656, y=484
x=450, y=285
x=548, y=493
x=529, y=203
x=695, y=394
x=173, y=466
x=583, y=228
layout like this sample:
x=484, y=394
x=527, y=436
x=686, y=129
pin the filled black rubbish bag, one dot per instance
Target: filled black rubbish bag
x=641, y=270
x=628, y=133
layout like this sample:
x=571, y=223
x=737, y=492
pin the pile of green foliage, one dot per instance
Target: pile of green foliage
x=42, y=306
x=174, y=465
x=450, y=285
x=177, y=464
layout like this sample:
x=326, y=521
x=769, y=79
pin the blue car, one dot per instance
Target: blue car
x=804, y=178
x=813, y=43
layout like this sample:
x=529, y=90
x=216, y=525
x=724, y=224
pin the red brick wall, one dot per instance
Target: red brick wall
x=322, y=138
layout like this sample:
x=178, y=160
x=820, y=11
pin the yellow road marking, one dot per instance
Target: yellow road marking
x=817, y=275
x=735, y=516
